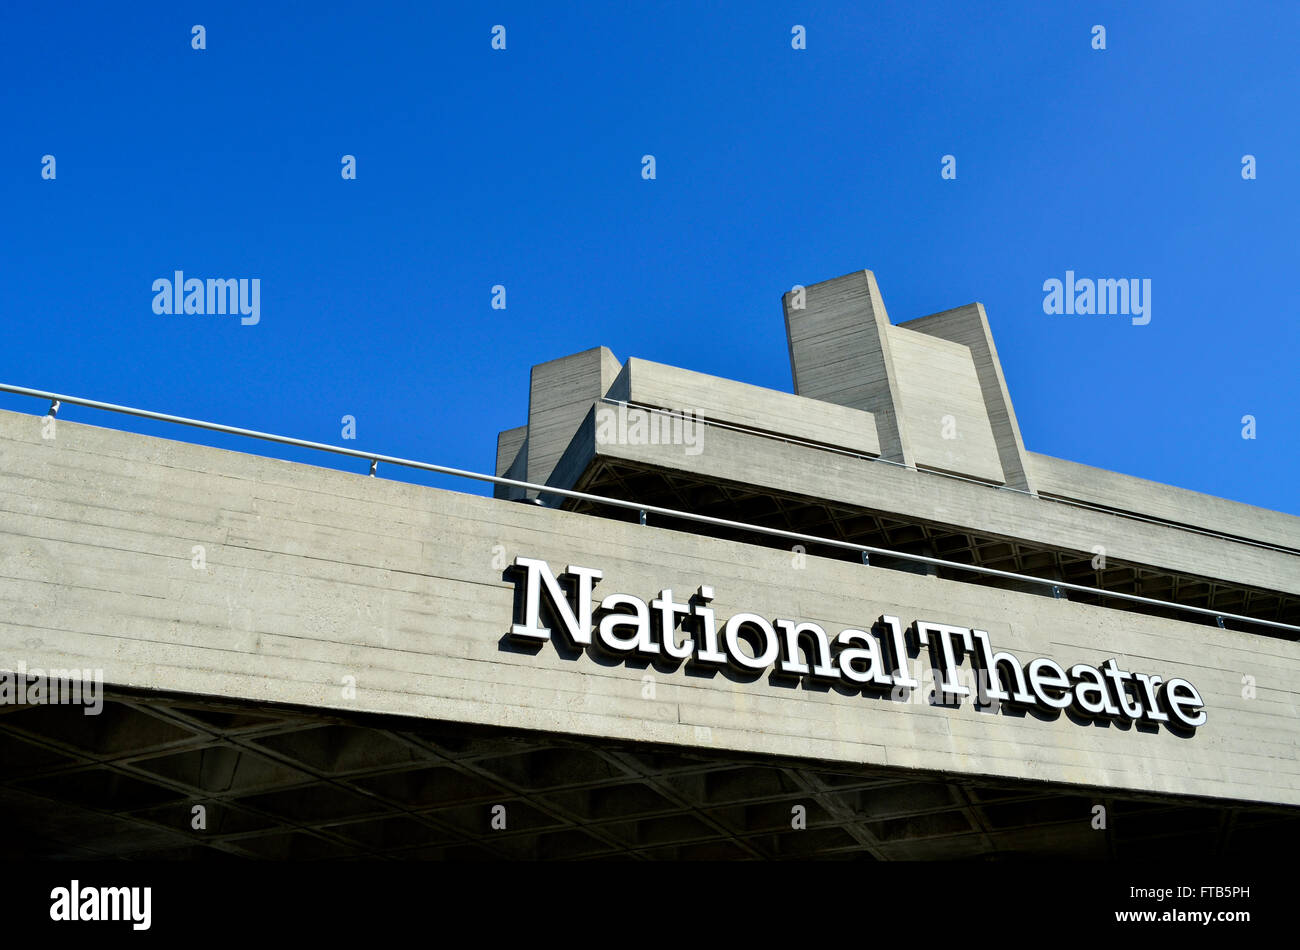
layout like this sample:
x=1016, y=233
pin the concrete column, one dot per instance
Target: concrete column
x=512, y=461
x=840, y=353
x=560, y=395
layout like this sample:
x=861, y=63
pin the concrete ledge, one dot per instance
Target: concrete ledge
x=1097, y=486
x=766, y=463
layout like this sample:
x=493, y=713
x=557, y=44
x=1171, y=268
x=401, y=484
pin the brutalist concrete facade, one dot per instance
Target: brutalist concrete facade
x=343, y=664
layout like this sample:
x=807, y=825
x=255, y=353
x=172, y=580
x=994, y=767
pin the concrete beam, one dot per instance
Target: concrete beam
x=1097, y=486
x=723, y=400
x=749, y=459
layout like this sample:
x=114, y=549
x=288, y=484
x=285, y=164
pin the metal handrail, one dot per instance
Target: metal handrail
x=374, y=458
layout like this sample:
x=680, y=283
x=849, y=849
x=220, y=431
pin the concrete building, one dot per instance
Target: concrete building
x=723, y=622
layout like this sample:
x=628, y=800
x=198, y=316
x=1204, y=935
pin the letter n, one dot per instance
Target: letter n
x=577, y=626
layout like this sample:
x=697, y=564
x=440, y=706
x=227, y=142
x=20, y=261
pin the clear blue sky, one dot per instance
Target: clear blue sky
x=774, y=167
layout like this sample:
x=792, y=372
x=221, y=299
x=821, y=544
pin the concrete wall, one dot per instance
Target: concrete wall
x=314, y=575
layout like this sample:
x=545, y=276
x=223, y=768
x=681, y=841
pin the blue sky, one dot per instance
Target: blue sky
x=522, y=167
